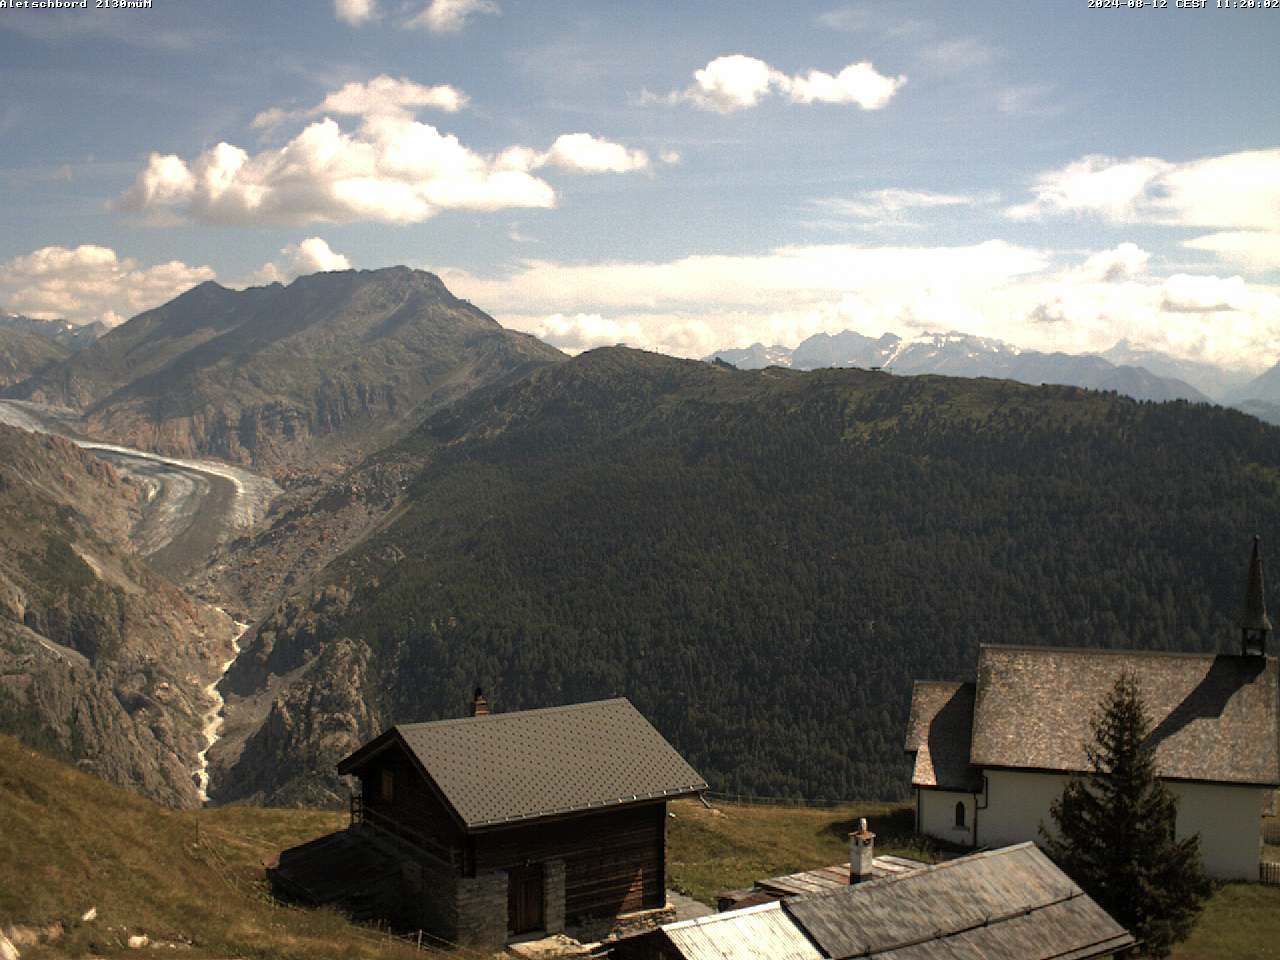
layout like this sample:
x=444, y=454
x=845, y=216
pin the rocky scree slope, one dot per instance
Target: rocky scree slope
x=762, y=561
x=102, y=661
x=324, y=370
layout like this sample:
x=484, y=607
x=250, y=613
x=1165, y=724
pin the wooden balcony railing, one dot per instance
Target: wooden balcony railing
x=369, y=817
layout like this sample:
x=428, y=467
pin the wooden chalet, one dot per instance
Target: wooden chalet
x=499, y=826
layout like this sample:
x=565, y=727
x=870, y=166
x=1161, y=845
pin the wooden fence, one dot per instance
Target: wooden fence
x=1271, y=832
x=1269, y=873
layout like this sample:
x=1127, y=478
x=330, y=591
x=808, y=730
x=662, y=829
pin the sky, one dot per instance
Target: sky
x=678, y=176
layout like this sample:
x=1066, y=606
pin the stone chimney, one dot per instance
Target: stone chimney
x=862, y=851
x=479, y=705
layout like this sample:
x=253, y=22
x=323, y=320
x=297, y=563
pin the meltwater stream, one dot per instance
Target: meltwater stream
x=215, y=717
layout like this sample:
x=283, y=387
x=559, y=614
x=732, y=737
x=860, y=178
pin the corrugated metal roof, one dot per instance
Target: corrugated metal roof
x=1213, y=717
x=1009, y=903
x=939, y=733
x=508, y=767
x=753, y=933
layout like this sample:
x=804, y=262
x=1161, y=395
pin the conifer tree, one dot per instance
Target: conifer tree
x=1114, y=831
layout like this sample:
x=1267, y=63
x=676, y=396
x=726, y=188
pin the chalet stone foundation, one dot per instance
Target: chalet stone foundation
x=431, y=897
x=627, y=925
x=482, y=909
x=553, y=896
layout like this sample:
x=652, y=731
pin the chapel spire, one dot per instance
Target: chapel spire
x=1254, y=622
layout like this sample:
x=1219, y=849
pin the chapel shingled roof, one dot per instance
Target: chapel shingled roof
x=510, y=767
x=1213, y=718
x=939, y=733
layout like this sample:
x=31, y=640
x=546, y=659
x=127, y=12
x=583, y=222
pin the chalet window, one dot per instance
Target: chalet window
x=960, y=815
x=388, y=785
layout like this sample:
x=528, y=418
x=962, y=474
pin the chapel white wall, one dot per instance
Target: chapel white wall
x=1228, y=818
x=937, y=815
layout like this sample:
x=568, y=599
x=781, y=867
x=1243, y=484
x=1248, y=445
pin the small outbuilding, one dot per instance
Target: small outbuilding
x=1008, y=904
x=499, y=826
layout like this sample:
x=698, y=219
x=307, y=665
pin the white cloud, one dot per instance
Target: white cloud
x=891, y=206
x=846, y=19
x=1240, y=190
x=958, y=55
x=450, y=16
x=89, y=282
x=382, y=96
x=738, y=82
x=1254, y=250
x=587, y=154
x=857, y=83
x=583, y=331
x=695, y=305
x=1032, y=99
x=731, y=83
x=393, y=169
x=1119, y=263
x=355, y=12
x=313, y=255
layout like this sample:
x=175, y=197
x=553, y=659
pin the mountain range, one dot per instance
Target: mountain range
x=762, y=559
x=73, y=336
x=1126, y=368
x=321, y=371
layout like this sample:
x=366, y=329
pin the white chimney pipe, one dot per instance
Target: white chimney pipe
x=861, y=853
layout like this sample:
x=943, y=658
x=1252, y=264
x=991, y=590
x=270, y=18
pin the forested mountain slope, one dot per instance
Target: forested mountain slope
x=762, y=561
x=102, y=661
x=328, y=368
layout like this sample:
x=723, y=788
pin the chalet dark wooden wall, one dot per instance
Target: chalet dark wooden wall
x=614, y=859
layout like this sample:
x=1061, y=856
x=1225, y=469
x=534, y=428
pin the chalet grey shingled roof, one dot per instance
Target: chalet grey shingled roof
x=1007, y=904
x=939, y=733
x=509, y=767
x=1213, y=718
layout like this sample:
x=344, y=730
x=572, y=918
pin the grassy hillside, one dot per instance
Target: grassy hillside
x=70, y=842
x=762, y=561
x=194, y=879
